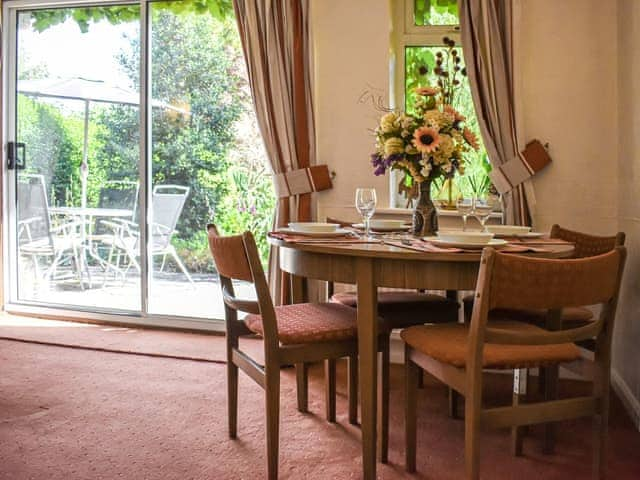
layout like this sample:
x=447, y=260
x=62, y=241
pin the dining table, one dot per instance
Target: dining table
x=378, y=262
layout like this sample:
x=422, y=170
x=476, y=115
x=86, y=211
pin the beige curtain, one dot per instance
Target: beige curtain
x=276, y=44
x=487, y=28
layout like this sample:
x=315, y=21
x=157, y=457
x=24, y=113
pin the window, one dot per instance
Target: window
x=420, y=27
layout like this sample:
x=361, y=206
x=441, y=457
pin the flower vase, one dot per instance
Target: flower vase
x=425, y=218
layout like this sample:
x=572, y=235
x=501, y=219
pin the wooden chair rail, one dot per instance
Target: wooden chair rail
x=452, y=376
x=249, y=366
x=508, y=337
x=530, y=414
x=248, y=306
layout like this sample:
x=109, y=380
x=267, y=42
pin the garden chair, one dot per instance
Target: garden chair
x=167, y=204
x=36, y=236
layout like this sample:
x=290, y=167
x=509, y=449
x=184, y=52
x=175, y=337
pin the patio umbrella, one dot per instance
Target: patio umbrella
x=87, y=91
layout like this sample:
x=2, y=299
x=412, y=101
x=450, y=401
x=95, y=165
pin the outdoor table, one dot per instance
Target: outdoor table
x=87, y=214
x=373, y=265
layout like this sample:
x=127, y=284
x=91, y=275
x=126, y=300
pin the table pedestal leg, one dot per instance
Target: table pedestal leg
x=368, y=363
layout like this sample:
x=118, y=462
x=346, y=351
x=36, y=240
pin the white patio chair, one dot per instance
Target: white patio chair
x=167, y=204
x=36, y=236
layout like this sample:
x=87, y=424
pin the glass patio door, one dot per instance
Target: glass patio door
x=128, y=127
x=71, y=185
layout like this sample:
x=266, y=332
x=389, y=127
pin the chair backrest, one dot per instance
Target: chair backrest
x=236, y=257
x=121, y=194
x=33, y=209
x=508, y=281
x=167, y=204
x=587, y=245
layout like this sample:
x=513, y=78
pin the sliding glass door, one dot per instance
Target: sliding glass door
x=125, y=127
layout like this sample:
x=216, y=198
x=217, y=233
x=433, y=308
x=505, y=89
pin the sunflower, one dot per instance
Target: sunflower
x=426, y=139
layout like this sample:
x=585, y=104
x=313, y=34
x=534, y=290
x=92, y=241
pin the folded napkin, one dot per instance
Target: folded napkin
x=537, y=241
x=424, y=246
x=346, y=239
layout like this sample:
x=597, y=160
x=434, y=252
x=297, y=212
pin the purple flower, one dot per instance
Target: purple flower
x=380, y=170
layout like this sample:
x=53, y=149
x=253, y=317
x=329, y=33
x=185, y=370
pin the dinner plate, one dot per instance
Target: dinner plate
x=494, y=242
x=314, y=227
x=508, y=230
x=339, y=232
x=402, y=228
x=522, y=235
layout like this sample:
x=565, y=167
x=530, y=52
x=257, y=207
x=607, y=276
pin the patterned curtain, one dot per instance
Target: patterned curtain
x=276, y=44
x=487, y=28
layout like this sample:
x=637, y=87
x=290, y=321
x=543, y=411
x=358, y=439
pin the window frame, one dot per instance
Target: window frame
x=405, y=33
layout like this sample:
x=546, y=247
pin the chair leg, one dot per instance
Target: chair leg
x=412, y=372
x=472, y=407
x=383, y=401
x=454, y=401
x=176, y=259
x=302, y=384
x=232, y=398
x=352, y=367
x=520, y=377
x=600, y=420
x=272, y=400
x=330, y=389
x=550, y=393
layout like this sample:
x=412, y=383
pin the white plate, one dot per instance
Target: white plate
x=339, y=232
x=510, y=230
x=472, y=236
x=313, y=227
x=523, y=235
x=494, y=242
x=381, y=223
x=401, y=228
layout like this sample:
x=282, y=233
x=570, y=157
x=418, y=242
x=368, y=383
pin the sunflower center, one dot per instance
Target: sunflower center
x=426, y=139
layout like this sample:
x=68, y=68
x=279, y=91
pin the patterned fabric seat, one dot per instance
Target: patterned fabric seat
x=402, y=309
x=448, y=343
x=310, y=323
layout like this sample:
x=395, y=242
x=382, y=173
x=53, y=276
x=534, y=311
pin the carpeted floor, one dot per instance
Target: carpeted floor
x=84, y=414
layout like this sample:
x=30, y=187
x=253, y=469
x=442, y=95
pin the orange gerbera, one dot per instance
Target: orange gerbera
x=426, y=139
x=471, y=138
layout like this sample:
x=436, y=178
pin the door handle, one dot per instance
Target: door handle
x=16, y=156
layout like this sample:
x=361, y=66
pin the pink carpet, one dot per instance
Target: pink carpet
x=69, y=413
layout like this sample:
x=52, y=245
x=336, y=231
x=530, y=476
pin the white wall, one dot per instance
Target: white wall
x=351, y=58
x=627, y=339
x=573, y=53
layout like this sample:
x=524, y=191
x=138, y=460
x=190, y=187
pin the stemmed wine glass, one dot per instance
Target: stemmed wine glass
x=366, y=206
x=482, y=208
x=465, y=207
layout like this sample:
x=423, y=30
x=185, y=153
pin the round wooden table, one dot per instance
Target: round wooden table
x=373, y=265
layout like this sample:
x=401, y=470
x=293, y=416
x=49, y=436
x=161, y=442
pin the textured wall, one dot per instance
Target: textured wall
x=627, y=340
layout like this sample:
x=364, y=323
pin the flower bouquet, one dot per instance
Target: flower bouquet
x=431, y=141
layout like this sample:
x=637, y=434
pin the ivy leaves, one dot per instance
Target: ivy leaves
x=43, y=19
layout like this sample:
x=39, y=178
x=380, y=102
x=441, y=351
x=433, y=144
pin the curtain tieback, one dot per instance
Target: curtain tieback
x=302, y=180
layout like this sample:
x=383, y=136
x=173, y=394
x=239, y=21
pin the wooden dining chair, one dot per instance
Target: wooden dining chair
x=458, y=354
x=292, y=335
x=585, y=245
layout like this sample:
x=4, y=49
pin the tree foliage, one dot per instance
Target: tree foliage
x=84, y=17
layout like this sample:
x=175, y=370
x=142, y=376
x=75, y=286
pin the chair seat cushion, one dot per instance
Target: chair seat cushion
x=448, y=344
x=310, y=323
x=402, y=309
x=572, y=317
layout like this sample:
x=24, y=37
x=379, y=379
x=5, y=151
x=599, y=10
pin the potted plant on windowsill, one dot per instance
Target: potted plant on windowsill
x=429, y=143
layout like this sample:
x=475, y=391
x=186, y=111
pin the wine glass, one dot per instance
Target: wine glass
x=465, y=208
x=482, y=208
x=366, y=206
